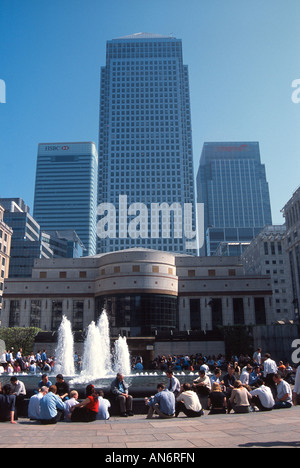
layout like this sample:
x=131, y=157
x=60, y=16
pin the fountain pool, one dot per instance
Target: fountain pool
x=100, y=363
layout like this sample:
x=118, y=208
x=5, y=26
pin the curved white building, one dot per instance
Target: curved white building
x=142, y=290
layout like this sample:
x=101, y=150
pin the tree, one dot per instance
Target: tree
x=19, y=337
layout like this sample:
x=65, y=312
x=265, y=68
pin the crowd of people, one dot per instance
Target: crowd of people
x=242, y=384
x=34, y=363
x=52, y=402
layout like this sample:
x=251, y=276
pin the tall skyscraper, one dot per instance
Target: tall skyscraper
x=66, y=190
x=145, y=145
x=232, y=185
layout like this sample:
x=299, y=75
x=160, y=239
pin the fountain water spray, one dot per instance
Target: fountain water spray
x=97, y=360
x=64, y=353
x=92, y=364
x=103, y=325
x=122, y=356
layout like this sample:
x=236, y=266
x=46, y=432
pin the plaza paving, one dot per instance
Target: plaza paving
x=276, y=429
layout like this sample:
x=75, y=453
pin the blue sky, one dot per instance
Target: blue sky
x=242, y=56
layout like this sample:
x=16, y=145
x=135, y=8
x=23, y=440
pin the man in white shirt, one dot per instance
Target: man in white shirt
x=104, y=404
x=257, y=356
x=188, y=402
x=262, y=397
x=18, y=389
x=244, y=378
x=270, y=369
x=72, y=401
x=202, y=384
x=174, y=384
x=284, y=397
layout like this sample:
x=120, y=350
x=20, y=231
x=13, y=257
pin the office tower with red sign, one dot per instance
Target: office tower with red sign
x=232, y=184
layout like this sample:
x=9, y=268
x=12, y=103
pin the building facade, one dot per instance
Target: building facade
x=66, y=189
x=291, y=213
x=266, y=255
x=27, y=242
x=5, y=243
x=232, y=185
x=64, y=243
x=145, y=141
x=143, y=291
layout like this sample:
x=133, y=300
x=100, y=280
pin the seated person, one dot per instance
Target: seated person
x=254, y=376
x=104, y=404
x=240, y=398
x=45, y=382
x=70, y=403
x=188, y=402
x=229, y=380
x=87, y=410
x=217, y=376
x=34, y=404
x=202, y=384
x=7, y=405
x=51, y=407
x=163, y=403
x=217, y=400
x=119, y=388
x=262, y=397
x=174, y=384
x=63, y=388
x=284, y=398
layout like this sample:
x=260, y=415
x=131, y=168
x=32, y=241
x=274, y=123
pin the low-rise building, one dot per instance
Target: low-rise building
x=143, y=291
x=266, y=255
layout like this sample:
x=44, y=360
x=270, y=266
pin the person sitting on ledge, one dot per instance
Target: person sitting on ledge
x=104, y=405
x=87, y=410
x=202, y=384
x=119, y=388
x=174, y=384
x=63, y=388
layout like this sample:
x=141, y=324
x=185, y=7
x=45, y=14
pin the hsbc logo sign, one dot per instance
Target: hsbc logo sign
x=56, y=148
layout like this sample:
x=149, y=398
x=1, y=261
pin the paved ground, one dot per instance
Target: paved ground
x=279, y=428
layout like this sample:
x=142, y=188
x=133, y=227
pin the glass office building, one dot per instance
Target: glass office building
x=66, y=190
x=231, y=182
x=145, y=142
x=27, y=242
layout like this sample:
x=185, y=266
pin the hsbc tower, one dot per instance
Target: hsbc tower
x=66, y=189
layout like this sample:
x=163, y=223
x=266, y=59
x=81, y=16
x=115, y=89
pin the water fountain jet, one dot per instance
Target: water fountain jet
x=64, y=353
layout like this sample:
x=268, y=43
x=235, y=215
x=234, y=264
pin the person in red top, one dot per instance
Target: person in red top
x=87, y=410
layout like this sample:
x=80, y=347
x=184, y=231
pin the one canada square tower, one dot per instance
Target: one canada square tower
x=145, y=147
